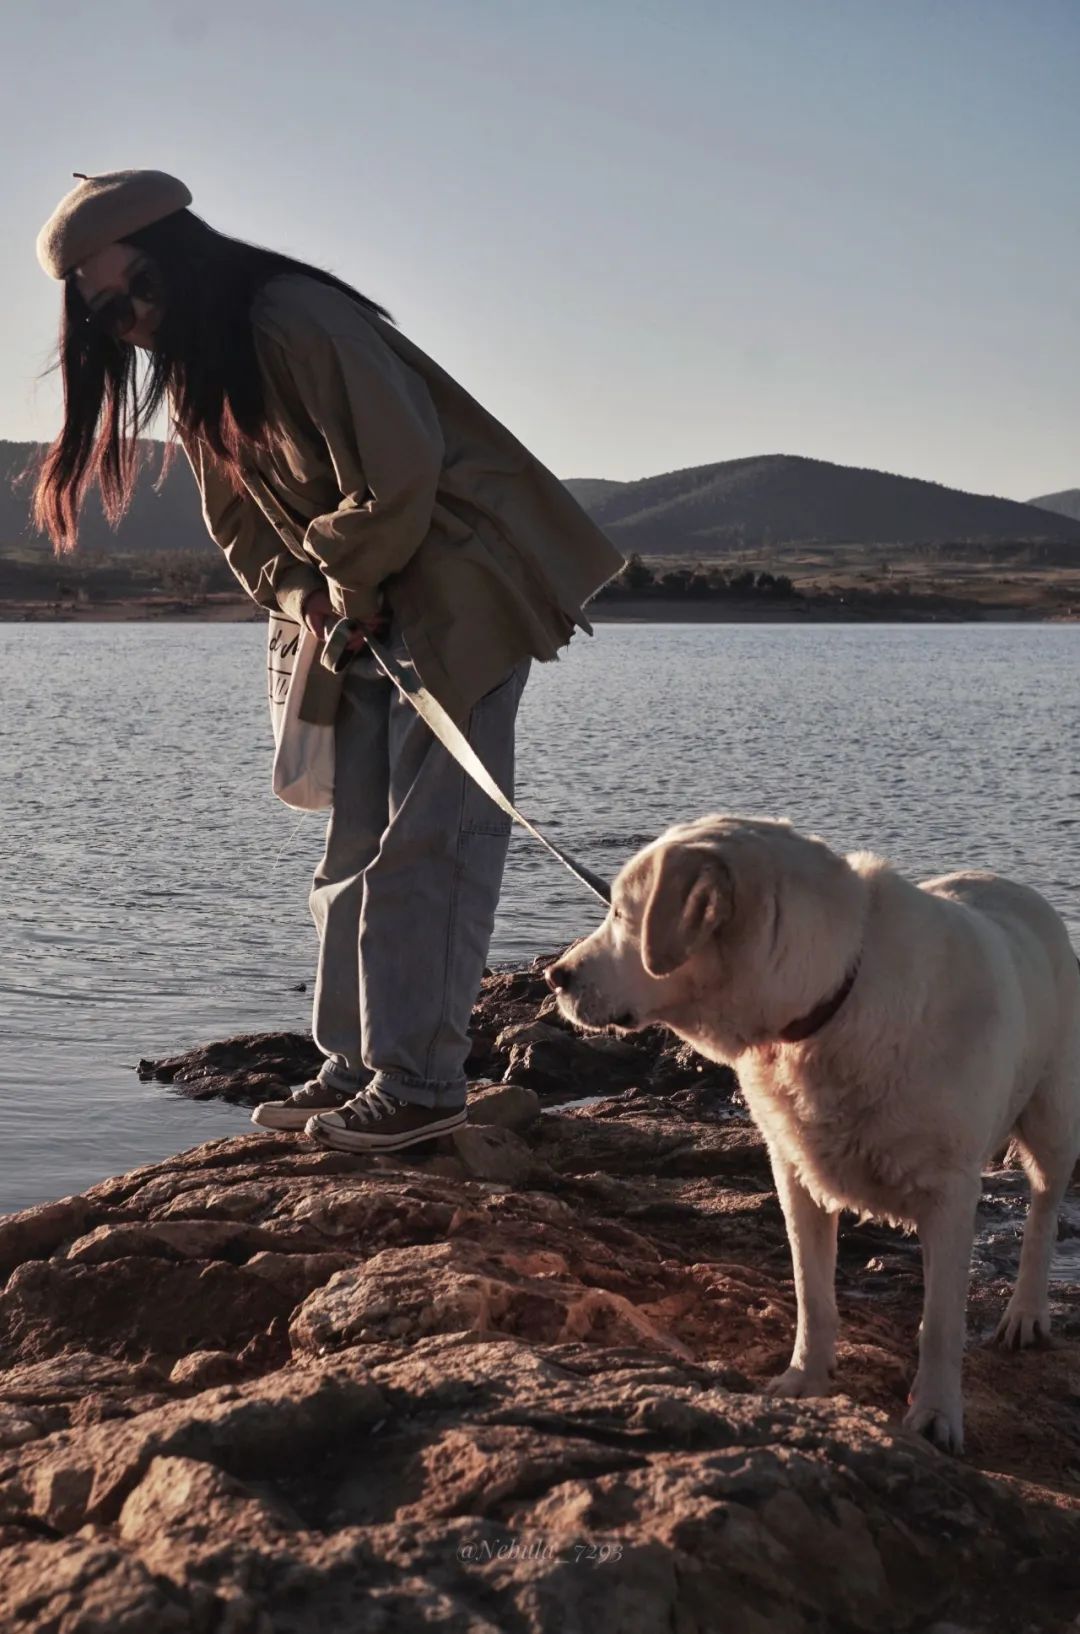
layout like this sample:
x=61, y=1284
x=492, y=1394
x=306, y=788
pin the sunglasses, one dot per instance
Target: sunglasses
x=117, y=315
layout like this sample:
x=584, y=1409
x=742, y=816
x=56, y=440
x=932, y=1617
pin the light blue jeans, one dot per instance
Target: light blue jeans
x=404, y=898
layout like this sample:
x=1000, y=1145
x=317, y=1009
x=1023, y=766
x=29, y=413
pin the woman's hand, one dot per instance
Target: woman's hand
x=316, y=610
x=319, y=615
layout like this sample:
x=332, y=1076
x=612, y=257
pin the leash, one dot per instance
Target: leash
x=453, y=740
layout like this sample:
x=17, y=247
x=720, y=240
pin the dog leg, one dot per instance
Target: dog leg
x=1048, y=1135
x=947, y=1233
x=812, y=1236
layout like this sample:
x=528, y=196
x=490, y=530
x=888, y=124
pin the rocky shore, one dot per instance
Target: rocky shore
x=505, y=1383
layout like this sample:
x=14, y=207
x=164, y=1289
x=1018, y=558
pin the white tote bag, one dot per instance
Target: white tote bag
x=303, y=754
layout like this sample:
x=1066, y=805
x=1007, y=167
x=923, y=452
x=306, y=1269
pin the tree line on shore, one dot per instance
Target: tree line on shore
x=697, y=583
x=191, y=576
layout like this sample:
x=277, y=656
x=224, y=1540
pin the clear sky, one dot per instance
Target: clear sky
x=647, y=234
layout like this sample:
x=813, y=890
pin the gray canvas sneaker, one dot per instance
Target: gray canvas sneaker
x=315, y=1096
x=376, y=1121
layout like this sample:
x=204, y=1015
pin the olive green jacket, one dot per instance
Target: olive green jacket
x=390, y=487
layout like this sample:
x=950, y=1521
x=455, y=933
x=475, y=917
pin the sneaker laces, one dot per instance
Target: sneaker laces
x=372, y=1104
x=316, y=1093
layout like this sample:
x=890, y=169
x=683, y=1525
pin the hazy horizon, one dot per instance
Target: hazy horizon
x=647, y=239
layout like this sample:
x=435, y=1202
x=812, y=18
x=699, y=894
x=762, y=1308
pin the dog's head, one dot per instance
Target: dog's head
x=722, y=929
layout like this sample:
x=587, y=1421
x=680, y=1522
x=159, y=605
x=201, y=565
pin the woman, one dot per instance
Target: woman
x=343, y=473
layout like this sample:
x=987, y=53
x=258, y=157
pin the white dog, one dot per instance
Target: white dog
x=888, y=1038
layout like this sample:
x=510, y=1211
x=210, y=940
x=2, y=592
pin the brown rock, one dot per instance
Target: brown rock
x=90, y=1586
x=518, y=1035
x=183, y=1495
x=489, y=1152
x=73, y=1373
x=133, y=1306
x=511, y=1106
x=247, y=1430
x=203, y=1368
x=16, y=1428
x=566, y=1066
x=481, y=1405
x=250, y=1068
x=38, y=1232
x=530, y=1032
x=182, y=1240
x=618, y=1049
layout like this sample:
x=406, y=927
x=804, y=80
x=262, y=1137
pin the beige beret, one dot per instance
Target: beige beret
x=101, y=210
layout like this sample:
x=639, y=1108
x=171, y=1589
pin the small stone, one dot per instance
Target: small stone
x=510, y=1106
x=491, y=1153
x=559, y=1064
x=529, y=1032
x=203, y=1368
x=619, y=1049
x=16, y=1431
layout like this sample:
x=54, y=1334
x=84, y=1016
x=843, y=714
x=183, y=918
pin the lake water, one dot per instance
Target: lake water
x=155, y=891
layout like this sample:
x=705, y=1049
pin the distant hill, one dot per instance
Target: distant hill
x=704, y=511
x=1067, y=503
x=589, y=490
x=169, y=520
x=785, y=499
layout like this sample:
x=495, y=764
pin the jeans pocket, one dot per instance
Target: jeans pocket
x=515, y=677
x=480, y=814
x=491, y=734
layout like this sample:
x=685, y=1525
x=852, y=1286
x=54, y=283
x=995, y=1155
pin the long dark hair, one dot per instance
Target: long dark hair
x=203, y=361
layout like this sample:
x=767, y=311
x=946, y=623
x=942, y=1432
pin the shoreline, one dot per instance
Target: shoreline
x=809, y=613
x=631, y=610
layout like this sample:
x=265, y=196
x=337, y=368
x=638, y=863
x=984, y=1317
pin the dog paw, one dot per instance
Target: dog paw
x=1019, y=1329
x=944, y=1426
x=801, y=1381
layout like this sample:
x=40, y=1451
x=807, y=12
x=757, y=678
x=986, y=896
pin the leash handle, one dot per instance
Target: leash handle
x=336, y=657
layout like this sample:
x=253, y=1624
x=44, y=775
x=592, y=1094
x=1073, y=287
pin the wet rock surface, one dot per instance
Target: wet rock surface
x=512, y=1383
x=518, y=1037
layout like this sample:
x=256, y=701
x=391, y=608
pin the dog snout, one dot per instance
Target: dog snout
x=559, y=977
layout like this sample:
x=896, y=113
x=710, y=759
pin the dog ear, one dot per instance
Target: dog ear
x=691, y=897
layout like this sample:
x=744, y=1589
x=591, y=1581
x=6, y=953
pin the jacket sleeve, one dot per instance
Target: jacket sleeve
x=385, y=445
x=269, y=572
